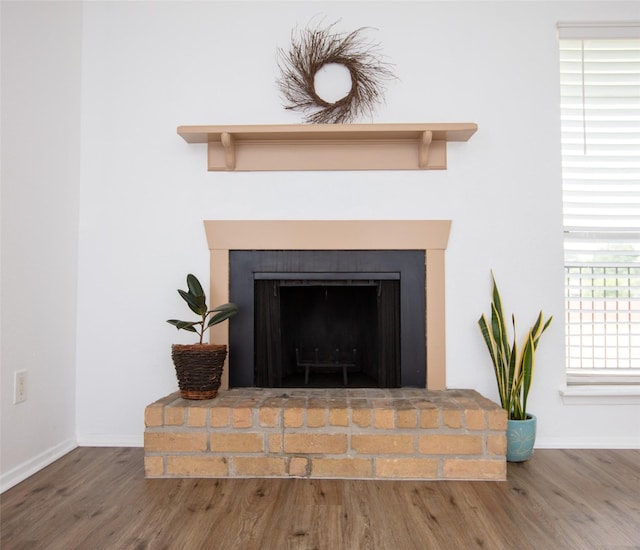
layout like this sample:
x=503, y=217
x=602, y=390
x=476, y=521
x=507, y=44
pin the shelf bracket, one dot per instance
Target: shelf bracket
x=425, y=145
x=229, y=150
x=228, y=146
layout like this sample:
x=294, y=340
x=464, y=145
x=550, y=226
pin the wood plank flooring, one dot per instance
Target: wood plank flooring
x=97, y=498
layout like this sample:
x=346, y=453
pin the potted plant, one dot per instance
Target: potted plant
x=199, y=366
x=513, y=368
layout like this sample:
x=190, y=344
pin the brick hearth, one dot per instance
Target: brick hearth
x=327, y=433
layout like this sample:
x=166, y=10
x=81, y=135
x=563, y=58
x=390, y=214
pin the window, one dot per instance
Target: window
x=600, y=122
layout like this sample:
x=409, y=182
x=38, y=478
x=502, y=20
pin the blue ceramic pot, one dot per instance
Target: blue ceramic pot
x=521, y=435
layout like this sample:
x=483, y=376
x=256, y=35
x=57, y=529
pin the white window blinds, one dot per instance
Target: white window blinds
x=600, y=121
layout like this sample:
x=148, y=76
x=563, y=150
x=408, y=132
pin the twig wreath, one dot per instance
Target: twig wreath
x=314, y=48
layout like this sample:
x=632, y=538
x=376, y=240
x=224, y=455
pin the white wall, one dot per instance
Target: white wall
x=40, y=193
x=148, y=67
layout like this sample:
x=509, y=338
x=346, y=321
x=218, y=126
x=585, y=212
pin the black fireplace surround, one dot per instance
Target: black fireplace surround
x=377, y=298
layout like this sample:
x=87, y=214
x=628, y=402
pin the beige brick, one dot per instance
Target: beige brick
x=357, y=468
x=337, y=403
x=315, y=418
x=315, y=443
x=299, y=466
x=452, y=418
x=259, y=466
x=197, y=417
x=273, y=402
x=450, y=444
x=407, y=468
x=293, y=411
x=317, y=403
x=474, y=419
x=407, y=418
x=174, y=416
x=361, y=417
x=153, y=416
x=197, y=466
x=429, y=418
x=380, y=401
x=293, y=417
x=174, y=441
x=241, y=417
x=153, y=466
x=219, y=417
x=236, y=443
x=384, y=419
x=275, y=443
x=155, y=411
x=497, y=419
x=269, y=417
x=497, y=444
x=382, y=444
x=466, y=402
x=423, y=402
x=225, y=400
x=247, y=402
x=339, y=417
x=495, y=470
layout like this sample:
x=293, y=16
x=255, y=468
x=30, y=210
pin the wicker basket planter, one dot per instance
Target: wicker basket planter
x=199, y=369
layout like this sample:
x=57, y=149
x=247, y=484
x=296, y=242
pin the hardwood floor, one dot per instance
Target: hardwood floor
x=97, y=498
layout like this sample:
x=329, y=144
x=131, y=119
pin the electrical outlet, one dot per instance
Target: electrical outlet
x=19, y=386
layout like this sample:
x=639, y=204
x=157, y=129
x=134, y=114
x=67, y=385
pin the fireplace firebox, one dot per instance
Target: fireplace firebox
x=313, y=332
x=328, y=318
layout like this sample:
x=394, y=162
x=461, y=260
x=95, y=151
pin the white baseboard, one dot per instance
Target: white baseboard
x=101, y=440
x=23, y=471
x=628, y=442
x=588, y=443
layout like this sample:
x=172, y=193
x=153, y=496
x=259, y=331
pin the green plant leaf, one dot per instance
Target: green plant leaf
x=514, y=369
x=528, y=361
x=538, y=333
x=185, y=325
x=536, y=326
x=223, y=312
x=197, y=304
x=484, y=329
x=497, y=361
x=503, y=353
x=497, y=303
x=226, y=307
x=194, y=285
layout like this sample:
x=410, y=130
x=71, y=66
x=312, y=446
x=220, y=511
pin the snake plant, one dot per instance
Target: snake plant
x=513, y=367
x=197, y=302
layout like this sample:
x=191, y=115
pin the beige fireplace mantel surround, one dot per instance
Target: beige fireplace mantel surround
x=429, y=235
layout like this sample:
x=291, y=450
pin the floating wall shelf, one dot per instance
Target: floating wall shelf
x=328, y=146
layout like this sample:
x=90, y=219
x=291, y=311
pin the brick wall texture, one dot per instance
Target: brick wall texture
x=402, y=433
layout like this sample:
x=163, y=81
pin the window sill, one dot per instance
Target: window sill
x=619, y=394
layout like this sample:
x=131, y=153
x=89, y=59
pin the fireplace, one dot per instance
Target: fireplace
x=338, y=432
x=328, y=318
x=424, y=355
